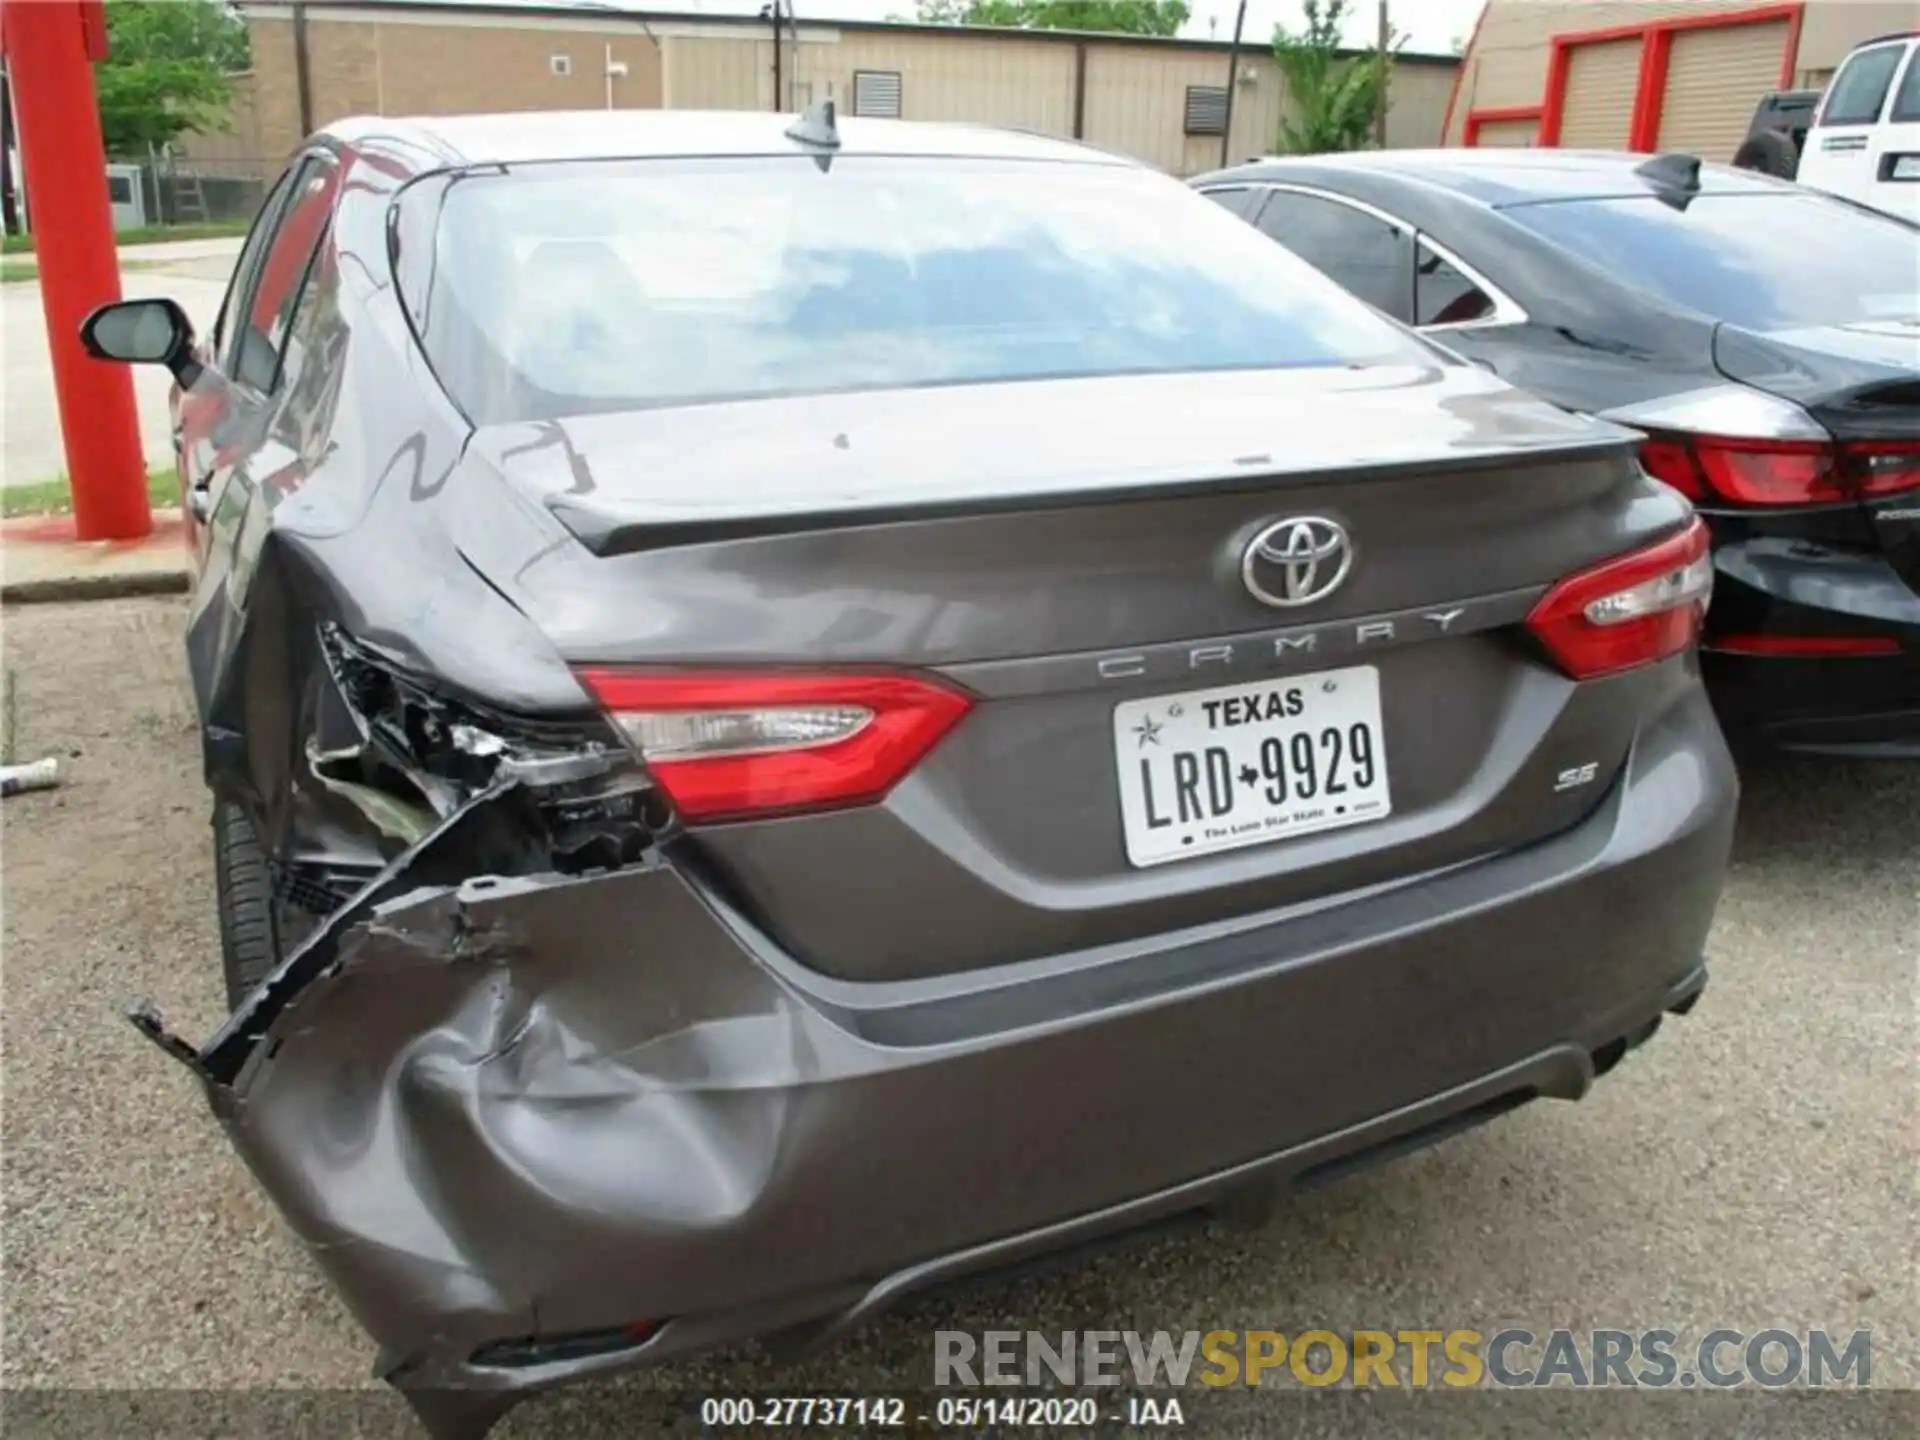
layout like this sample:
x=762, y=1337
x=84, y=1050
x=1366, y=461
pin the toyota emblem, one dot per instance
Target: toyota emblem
x=1297, y=561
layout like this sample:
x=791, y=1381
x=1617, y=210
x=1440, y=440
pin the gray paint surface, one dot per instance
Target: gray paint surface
x=509, y=1096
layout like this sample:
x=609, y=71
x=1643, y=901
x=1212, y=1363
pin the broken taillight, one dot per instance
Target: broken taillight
x=1631, y=610
x=730, y=744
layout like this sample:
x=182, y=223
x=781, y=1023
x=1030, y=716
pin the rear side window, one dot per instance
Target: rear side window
x=1242, y=200
x=1363, y=252
x=1906, y=102
x=1443, y=295
x=1764, y=261
x=563, y=288
x=1860, y=89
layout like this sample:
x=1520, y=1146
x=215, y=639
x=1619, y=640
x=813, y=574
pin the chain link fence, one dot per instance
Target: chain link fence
x=179, y=190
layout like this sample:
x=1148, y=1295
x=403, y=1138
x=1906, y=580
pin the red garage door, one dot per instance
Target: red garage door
x=1601, y=81
x=1715, y=78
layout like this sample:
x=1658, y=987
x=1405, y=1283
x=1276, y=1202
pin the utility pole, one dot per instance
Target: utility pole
x=1233, y=83
x=1386, y=76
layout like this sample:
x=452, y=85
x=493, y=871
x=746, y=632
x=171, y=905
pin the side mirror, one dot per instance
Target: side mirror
x=143, y=332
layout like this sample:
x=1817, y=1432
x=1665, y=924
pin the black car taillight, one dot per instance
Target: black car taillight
x=1741, y=471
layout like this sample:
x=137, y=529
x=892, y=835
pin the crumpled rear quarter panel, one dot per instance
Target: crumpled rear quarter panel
x=541, y=1105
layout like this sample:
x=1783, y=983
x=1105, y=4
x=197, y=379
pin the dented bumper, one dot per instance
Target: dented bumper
x=536, y=1126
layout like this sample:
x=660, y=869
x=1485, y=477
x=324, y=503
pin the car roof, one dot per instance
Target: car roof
x=658, y=134
x=1501, y=177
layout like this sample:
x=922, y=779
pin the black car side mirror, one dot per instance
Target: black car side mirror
x=143, y=332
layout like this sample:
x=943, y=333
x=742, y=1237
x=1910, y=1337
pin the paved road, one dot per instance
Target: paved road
x=193, y=272
x=1755, y=1165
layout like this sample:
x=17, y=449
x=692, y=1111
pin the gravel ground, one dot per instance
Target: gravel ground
x=1753, y=1166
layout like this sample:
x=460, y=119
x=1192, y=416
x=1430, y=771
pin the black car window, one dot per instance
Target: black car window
x=570, y=287
x=1860, y=89
x=1363, y=252
x=255, y=348
x=1241, y=200
x=1442, y=295
x=1765, y=261
x=1906, y=103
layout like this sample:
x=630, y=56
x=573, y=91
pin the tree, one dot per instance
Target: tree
x=1133, y=17
x=1333, y=97
x=167, y=70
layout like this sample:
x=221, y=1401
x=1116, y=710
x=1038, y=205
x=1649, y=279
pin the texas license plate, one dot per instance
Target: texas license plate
x=1217, y=769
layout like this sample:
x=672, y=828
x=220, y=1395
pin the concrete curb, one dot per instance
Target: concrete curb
x=93, y=587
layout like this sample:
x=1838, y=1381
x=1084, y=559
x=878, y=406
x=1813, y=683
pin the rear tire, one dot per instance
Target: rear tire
x=1771, y=152
x=250, y=920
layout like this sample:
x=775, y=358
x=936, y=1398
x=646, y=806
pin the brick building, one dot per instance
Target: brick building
x=1160, y=100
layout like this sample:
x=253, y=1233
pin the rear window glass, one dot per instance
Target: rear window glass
x=1768, y=261
x=1860, y=89
x=565, y=288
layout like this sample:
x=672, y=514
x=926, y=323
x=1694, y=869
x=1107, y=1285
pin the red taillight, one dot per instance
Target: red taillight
x=1628, y=611
x=728, y=744
x=1671, y=460
x=1805, y=647
x=1781, y=472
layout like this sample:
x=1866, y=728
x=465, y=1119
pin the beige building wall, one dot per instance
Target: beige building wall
x=437, y=62
x=1830, y=28
x=717, y=72
x=1417, y=95
x=1022, y=83
x=1137, y=98
x=440, y=65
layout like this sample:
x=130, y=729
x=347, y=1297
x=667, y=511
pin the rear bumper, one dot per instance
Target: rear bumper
x=603, y=1100
x=1864, y=705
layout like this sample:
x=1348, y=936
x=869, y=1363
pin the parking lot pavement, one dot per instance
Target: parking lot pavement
x=1753, y=1166
x=193, y=272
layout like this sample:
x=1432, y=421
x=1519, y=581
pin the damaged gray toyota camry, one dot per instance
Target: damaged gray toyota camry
x=796, y=709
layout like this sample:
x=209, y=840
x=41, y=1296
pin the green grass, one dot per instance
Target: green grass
x=53, y=497
x=144, y=235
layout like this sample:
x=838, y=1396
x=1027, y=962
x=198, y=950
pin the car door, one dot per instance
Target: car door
x=233, y=459
x=1894, y=151
x=198, y=412
x=1366, y=250
x=1840, y=156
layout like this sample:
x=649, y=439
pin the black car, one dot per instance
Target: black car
x=1764, y=336
x=1778, y=132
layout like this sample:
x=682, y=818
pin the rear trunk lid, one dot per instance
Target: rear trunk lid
x=1861, y=383
x=1075, y=555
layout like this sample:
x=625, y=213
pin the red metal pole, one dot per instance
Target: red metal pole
x=63, y=159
